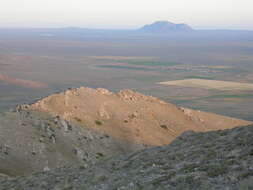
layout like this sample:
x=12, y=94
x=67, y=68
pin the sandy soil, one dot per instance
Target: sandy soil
x=210, y=84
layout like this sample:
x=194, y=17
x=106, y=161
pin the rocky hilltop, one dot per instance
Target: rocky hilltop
x=165, y=27
x=85, y=125
x=130, y=116
x=212, y=160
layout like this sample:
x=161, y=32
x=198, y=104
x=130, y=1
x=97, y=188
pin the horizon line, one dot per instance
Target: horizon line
x=115, y=29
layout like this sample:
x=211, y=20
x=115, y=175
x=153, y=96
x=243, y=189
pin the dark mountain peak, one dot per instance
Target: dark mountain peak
x=164, y=27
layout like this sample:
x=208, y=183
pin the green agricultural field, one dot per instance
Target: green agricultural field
x=199, y=77
x=224, y=96
x=150, y=63
x=138, y=63
x=124, y=67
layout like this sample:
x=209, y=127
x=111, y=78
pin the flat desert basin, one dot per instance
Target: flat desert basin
x=210, y=84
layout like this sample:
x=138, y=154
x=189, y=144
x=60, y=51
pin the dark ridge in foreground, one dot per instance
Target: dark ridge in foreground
x=211, y=160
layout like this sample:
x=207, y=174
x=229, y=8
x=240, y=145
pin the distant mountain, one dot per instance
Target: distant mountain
x=164, y=27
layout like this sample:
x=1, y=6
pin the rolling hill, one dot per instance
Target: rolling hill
x=85, y=125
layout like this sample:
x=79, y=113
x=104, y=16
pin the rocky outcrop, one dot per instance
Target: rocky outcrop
x=31, y=141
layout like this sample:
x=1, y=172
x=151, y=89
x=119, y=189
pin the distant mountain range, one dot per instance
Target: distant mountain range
x=164, y=27
x=158, y=28
x=155, y=27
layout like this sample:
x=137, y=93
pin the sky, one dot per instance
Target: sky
x=126, y=14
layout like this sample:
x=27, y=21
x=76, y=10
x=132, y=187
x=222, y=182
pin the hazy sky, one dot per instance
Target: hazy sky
x=237, y=14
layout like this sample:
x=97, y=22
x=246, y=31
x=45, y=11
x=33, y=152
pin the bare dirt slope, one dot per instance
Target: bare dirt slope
x=131, y=116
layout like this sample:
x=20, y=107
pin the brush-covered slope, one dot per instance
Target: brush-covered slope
x=130, y=116
x=213, y=160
